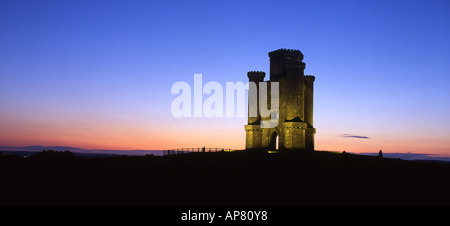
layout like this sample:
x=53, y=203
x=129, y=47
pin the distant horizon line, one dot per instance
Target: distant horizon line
x=63, y=147
x=38, y=148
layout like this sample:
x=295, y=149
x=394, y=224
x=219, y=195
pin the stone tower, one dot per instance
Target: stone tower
x=295, y=113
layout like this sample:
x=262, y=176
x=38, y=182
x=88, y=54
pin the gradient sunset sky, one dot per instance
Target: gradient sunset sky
x=98, y=73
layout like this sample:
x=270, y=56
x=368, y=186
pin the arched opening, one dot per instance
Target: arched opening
x=273, y=145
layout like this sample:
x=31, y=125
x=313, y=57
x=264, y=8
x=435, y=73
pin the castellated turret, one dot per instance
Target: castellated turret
x=256, y=77
x=295, y=129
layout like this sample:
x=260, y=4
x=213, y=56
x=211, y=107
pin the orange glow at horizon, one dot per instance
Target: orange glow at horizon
x=132, y=131
x=169, y=133
x=129, y=134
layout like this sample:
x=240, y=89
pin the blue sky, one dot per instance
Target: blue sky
x=71, y=70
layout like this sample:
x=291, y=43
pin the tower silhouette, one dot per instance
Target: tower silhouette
x=295, y=113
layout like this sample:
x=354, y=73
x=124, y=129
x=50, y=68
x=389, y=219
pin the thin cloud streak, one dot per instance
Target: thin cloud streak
x=354, y=136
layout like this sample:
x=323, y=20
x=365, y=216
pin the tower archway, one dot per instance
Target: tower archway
x=273, y=141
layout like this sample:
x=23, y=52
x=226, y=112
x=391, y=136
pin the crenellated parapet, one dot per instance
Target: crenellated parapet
x=309, y=78
x=256, y=72
x=253, y=128
x=285, y=62
x=286, y=52
x=256, y=76
x=294, y=125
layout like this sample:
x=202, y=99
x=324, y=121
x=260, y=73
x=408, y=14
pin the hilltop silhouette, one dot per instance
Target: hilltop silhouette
x=222, y=178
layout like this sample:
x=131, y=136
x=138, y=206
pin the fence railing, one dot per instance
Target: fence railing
x=191, y=150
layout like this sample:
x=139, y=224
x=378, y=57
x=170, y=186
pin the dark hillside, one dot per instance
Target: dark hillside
x=238, y=178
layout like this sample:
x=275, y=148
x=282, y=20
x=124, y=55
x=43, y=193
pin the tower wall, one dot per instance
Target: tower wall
x=294, y=93
x=309, y=139
x=253, y=137
x=309, y=93
x=256, y=77
x=294, y=135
